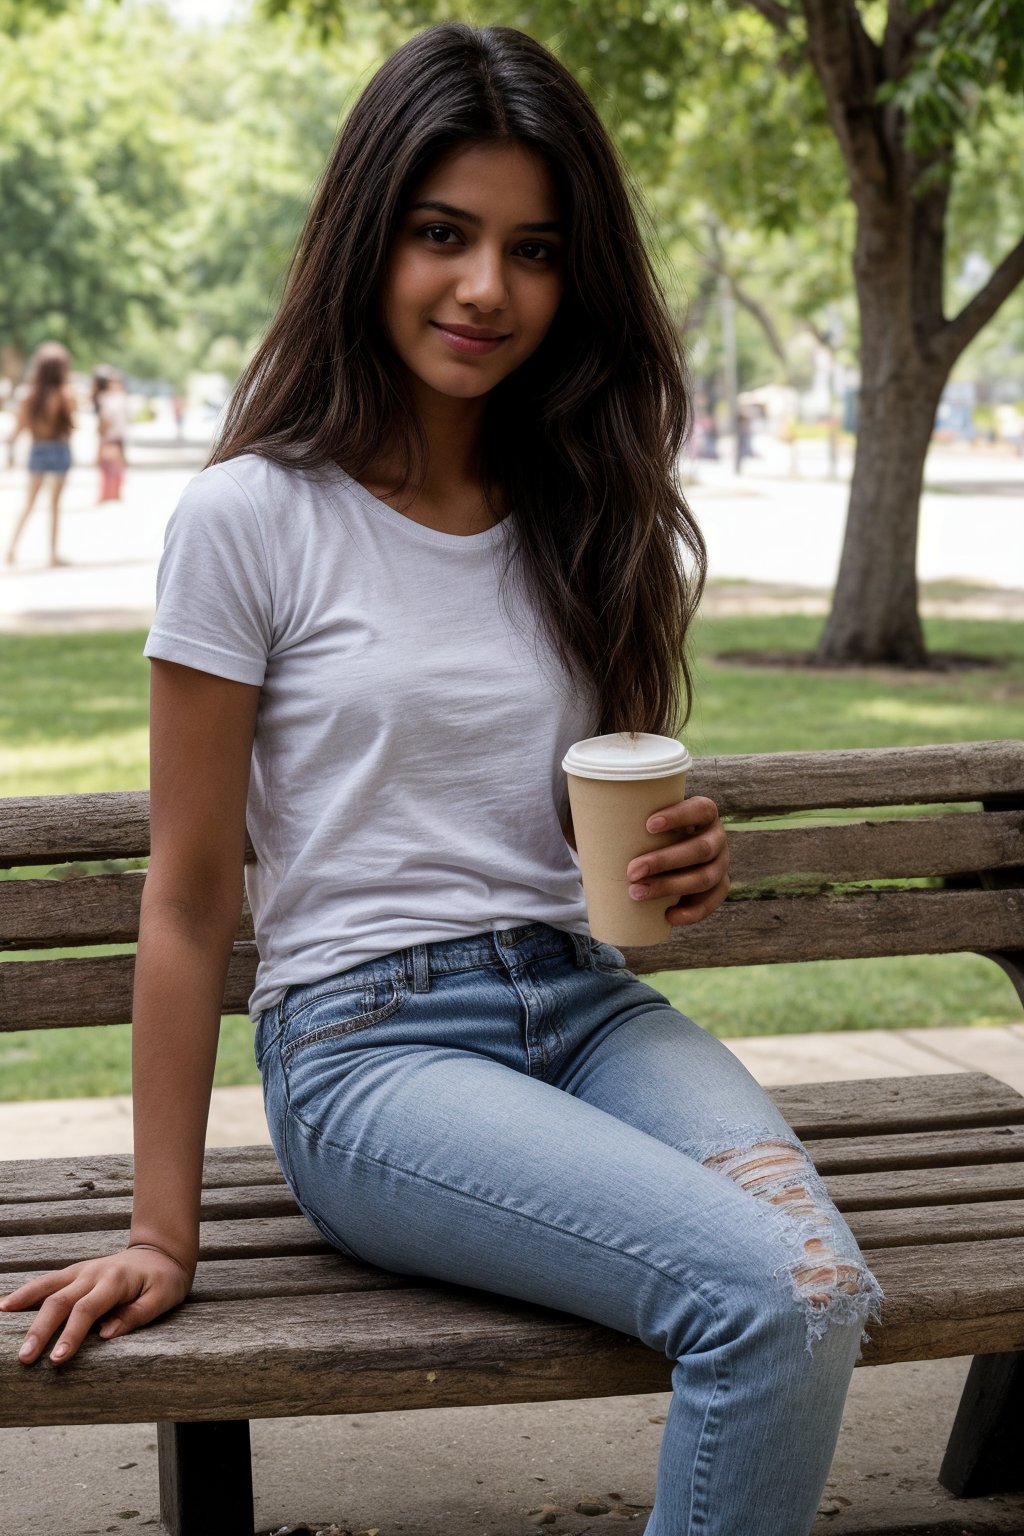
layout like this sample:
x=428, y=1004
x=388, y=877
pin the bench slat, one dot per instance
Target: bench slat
x=418, y=1347
x=90, y=909
x=40, y=829
x=104, y=909
x=919, y=1149
x=861, y=925
x=310, y=1274
x=880, y=850
x=925, y=1186
x=949, y=1299
x=874, y=1105
x=54, y=994
x=432, y=1345
x=106, y=1174
x=773, y=784
x=971, y=1222
x=272, y=1235
x=114, y=1212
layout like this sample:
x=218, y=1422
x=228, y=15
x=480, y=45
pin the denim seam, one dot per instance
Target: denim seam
x=687, y=1277
x=348, y=1027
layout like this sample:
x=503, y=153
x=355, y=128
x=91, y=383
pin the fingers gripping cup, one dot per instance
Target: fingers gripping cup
x=615, y=783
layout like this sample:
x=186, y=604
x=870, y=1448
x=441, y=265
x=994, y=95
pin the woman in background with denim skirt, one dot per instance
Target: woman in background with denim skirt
x=440, y=539
x=47, y=413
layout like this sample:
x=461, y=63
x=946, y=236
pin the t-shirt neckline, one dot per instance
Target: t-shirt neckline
x=420, y=531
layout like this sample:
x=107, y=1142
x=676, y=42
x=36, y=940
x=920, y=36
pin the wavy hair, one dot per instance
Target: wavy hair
x=48, y=388
x=583, y=438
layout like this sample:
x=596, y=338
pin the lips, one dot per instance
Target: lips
x=474, y=332
x=470, y=339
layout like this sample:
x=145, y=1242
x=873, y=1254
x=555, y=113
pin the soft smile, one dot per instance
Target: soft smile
x=471, y=339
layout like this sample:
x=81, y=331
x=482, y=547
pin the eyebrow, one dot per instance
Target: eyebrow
x=551, y=226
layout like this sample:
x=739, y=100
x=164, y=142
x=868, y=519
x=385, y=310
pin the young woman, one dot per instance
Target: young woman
x=47, y=413
x=441, y=539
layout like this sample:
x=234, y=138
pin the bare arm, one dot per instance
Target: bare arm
x=201, y=734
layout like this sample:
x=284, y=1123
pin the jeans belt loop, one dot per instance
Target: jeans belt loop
x=420, y=969
x=584, y=947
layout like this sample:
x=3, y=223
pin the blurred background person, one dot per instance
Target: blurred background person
x=110, y=402
x=46, y=410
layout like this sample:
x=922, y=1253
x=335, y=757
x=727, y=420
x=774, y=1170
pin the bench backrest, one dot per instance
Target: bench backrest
x=879, y=882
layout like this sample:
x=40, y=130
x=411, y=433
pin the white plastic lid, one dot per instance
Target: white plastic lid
x=622, y=756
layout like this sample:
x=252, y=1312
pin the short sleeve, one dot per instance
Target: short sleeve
x=213, y=592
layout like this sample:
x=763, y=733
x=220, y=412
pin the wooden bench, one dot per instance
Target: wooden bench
x=929, y=1170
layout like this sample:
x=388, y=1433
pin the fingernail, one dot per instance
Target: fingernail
x=59, y=1352
x=27, y=1348
x=640, y=872
x=111, y=1330
x=638, y=892
x=656, y=824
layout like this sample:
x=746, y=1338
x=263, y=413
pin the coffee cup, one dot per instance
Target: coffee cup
x=615, y=783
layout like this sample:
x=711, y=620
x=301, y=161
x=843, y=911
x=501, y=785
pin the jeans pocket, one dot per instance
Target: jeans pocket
x=328, y=1012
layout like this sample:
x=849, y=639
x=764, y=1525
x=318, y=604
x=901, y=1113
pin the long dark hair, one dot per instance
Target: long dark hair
x=583, y=438
x=47, y=386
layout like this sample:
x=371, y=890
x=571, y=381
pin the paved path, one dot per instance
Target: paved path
x=765, y=528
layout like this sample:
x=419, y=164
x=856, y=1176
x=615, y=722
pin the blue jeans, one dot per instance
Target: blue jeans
x=517, y=1111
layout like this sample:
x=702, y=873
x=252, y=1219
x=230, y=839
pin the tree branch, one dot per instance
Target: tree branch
x=962, y=329
x=775, y=13
x=850, y=68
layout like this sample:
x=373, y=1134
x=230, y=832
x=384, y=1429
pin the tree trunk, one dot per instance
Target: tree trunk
x=874, y=615
x=898, y=265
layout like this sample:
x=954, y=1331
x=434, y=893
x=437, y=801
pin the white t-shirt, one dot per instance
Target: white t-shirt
x=406, y=781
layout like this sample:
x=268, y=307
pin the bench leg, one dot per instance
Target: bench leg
x=984, y=1451
x=205, y=1478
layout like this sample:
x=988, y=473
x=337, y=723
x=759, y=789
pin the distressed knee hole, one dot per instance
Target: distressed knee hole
x=829, y=1287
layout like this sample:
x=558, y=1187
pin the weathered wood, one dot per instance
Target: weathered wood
x=115, y=1213
x=917, y=1149
x=52, y=829
x=205, y=1479
x=948, y=1299
x=969, y=1222
x=104, y=909
x=58, y=829
x=880, y=850
x=926, y=1186
x=53, y=994
x=861, y=925
x=91, y=909
x=984, y=1451
x=774, y=783
x=435, y=1345
x=108, y=1174
x=310, y=1274
x=217, y=1240
x=415, y=1348
x=873, y=1105
x=56, y=994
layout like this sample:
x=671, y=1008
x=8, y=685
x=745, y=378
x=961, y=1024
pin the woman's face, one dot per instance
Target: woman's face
x=475, y=271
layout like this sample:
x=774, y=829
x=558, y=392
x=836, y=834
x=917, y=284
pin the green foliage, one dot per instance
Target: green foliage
x=965, y=57
x=89, y=177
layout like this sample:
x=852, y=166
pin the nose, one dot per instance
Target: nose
x=482, y=282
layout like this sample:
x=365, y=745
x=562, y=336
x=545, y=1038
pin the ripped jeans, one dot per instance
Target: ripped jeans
x=517, y=1111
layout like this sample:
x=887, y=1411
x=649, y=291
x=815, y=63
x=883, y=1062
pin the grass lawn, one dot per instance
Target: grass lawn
x=73, y=717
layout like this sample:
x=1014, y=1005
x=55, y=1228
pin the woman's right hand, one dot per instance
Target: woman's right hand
x=127, y=1290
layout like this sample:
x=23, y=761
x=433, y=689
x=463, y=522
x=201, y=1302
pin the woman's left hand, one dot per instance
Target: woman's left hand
x=694, y=872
